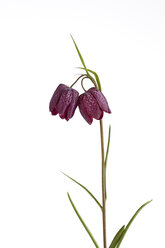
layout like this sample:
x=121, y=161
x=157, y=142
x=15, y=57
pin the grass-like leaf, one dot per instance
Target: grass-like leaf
x=107, y=151
x=106, y=158
x=84, y=189
x=130, y=222
x=82, y=61
x=80, y=56
x=82, y=221
x=117, y=237
x=96, y=76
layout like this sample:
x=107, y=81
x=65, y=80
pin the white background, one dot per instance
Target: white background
x=123, y=40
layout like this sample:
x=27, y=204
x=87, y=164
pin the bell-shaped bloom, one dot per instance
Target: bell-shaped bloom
x=92, y=104
x=64, y=102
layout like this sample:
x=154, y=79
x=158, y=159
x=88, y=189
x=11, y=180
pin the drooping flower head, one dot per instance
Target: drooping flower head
x=64, y=102
x=92, y=104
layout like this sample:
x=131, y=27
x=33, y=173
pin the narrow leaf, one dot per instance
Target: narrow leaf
x=106, y=158
x=83, y=223
x=117, y=237
x=96, y=76
x=80, y=56
x=84, y=189
x=107, y=151
x=130, y=222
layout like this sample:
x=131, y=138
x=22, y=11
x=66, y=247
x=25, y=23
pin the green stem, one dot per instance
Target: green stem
x=106, y=158
x=103, y=185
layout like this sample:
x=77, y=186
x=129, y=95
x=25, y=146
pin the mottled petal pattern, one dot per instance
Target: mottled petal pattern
x=100, y=98
x=72, y=107
x=92, y=106
x=83, y=110
x=64, y=102
x=56, y=96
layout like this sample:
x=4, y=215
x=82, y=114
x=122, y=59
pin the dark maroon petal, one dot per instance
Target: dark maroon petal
x=91, y=106
x=100, y=98
x=62, y=116
x=101, y=116
x=56, y=96
x=64, y=101
x=72, y=107
x=83, y=110
x=54, y=111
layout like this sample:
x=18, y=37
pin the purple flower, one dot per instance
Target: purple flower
x=64, y=102
x=91, y=104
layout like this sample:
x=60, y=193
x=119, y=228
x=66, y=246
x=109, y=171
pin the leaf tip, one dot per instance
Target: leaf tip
x=72, y=38
x=109, y=128
x=63, y=173
x=68, y=195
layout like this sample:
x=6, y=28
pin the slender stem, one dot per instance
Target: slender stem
x=77, y=80
x=103, y=186
x=91, y=81
x=82, y=83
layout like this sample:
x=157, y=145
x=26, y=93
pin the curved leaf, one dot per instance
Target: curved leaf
x=84, y=189
x=130, y=222
x=82, y=61
x=117, y=237
x=96, y=76
x=82, y=221
x=80, y=56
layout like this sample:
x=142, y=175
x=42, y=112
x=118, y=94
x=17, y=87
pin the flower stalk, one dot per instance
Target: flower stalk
x=83, y=75
x=103, y=185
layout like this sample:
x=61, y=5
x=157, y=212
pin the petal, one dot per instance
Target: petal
x=72, y=107
x=100, y=98
x=56, y=96
x=83, y=110
x=91, y=106
x=54, y=111
x=64, y=101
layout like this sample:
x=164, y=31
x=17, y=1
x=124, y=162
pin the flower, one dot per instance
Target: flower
x=91, y=104
x=64, y=101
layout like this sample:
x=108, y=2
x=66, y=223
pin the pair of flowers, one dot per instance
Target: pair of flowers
x=91, y=103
